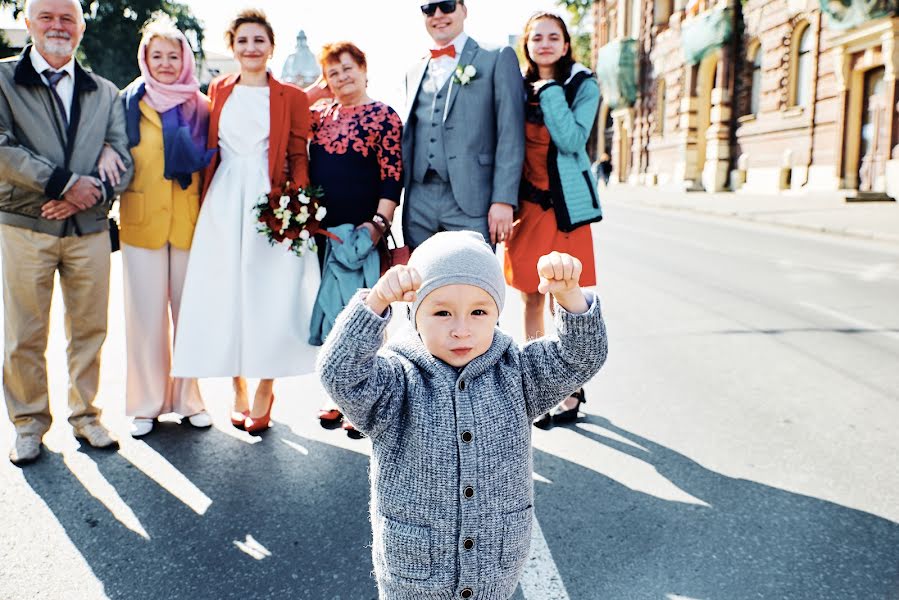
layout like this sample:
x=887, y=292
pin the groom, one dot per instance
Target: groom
x=463, y=143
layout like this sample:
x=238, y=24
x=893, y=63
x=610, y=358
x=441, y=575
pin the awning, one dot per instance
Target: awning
x=706, y=33
x=616, y=69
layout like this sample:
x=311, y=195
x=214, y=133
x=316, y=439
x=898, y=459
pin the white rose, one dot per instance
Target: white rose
x=304, y=210
x=470, y=71
x=284, y=201
x=302, y=218
x=304, y=235
x=320, y=213
x=286, y=214
x=304, y=199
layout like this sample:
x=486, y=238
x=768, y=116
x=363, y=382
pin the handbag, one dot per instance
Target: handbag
x=114, y=235
x=391, y=256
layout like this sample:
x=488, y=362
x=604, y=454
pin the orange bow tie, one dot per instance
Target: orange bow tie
x=448, y=51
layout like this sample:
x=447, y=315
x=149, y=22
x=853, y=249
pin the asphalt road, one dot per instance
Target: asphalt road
x=739, y=444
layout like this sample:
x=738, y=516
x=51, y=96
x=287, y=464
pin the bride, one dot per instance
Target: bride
x=247, y=305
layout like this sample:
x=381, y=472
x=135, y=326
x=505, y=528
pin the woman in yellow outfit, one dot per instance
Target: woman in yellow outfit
x=167, y=119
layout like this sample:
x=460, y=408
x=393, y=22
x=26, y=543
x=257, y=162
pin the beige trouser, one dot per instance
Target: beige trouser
x=30, y=260
x=154, y=280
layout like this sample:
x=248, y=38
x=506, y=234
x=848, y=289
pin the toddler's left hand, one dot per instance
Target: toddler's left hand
x=559, y=273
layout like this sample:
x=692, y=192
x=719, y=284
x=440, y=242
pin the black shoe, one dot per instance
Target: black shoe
x=544, y=422
x=569, y=415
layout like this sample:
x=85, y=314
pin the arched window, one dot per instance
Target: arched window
x=755, y=91
x=802, y=79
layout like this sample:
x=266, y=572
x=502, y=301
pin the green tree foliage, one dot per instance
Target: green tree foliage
x=110, y=43
x=578, y=9
x=113, y=34
x=581, y=38
x=5, y=49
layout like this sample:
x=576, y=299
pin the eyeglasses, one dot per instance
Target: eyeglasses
x=446, y=7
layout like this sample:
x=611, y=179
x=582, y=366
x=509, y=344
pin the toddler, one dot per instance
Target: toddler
x=449, y=408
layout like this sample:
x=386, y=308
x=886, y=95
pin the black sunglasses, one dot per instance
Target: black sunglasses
x=446, y=7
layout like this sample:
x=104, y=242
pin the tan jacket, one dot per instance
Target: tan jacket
x=155, y=210
x=38, y=155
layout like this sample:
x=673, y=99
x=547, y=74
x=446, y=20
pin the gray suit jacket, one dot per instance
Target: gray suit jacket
x=483, y=129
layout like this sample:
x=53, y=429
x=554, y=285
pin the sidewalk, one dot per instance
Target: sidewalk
x=823, y=212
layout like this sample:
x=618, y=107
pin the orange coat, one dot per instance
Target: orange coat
x=288, y=136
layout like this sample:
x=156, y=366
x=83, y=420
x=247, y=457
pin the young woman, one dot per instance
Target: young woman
x=558, y=191
x=247, y=304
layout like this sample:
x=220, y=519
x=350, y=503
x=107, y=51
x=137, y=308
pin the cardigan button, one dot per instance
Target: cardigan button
x=467, y=437
x=462, y=385
x=468, y=491
x=466, y=593
x=468, y=544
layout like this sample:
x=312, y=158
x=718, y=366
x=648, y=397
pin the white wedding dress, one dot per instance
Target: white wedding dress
x=247, y=305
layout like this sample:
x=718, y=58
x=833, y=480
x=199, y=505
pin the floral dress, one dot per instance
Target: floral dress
x=356, y=157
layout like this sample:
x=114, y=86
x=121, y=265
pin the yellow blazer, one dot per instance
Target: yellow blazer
x=155, y=210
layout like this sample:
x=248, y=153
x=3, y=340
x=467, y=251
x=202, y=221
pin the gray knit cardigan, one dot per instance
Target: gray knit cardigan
x=451, y=469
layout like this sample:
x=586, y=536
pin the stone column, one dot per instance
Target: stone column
x=717, y=150
x=686, y=171
x=841, y=73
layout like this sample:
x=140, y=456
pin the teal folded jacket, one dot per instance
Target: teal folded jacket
x=350, y=265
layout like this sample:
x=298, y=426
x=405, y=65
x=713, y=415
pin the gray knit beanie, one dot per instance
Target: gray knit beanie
x=452, y=257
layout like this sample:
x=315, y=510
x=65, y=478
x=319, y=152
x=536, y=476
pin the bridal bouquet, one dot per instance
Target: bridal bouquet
x=291, y=217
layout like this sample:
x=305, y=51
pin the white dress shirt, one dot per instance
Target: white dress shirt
x=65, y=87
x=441, y=68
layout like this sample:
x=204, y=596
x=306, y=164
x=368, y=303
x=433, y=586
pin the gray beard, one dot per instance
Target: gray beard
x=57, y=47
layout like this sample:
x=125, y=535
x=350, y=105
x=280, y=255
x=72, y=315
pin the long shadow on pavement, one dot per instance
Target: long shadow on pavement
x=305, y=516
x=752, y=541
x=302, y=518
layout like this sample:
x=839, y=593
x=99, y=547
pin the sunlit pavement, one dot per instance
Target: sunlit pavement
x=739, y=443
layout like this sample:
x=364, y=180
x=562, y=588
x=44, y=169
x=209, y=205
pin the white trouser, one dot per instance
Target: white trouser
x=154, y=280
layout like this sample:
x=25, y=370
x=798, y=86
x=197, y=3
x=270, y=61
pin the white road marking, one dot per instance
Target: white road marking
x=861, y=324
x=541, y=579
x=538, y=477
x=301, y=449
x=253, y=548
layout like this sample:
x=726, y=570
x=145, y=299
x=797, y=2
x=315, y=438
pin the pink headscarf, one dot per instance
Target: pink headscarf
x=185, y=91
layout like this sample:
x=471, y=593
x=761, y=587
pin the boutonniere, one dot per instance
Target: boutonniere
x=464, y=74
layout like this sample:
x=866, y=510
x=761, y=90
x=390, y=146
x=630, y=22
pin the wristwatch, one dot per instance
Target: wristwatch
x=381, y=222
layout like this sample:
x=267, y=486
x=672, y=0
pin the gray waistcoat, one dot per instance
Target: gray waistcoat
x=429, y=150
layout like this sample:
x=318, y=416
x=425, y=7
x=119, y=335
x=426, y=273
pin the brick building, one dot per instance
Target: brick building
x=764, y=95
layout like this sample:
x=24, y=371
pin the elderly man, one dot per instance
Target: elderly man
x=54, y=120
x=463, y=144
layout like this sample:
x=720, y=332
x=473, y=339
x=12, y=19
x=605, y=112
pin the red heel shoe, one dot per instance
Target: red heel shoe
x=252, y=425
x=239, y=418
